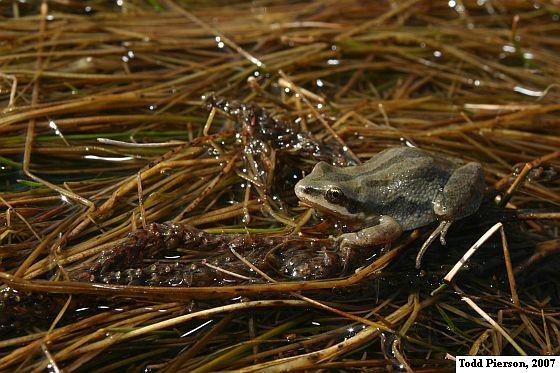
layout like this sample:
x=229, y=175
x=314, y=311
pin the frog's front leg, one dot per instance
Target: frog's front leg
x=387, y=230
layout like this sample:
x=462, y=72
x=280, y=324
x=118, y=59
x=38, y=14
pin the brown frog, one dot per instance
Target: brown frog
x=398, y=189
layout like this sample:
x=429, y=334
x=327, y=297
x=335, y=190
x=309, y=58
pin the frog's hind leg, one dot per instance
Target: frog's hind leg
x=460, y=197
x=462, y=193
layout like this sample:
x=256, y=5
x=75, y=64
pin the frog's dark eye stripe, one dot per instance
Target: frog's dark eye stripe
x=311, y=191
x=334, y=195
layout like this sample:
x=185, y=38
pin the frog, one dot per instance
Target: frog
x=398, y=189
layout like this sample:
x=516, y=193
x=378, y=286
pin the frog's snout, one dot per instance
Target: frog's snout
x=300, y=190
x=304, y=191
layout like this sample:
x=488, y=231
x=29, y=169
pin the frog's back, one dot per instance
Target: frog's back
x=403, y=182
x=404, y=155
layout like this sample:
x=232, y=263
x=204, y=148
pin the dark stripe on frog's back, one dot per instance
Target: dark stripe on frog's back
x=410, y=212
x=398, y=155
x=384, y=161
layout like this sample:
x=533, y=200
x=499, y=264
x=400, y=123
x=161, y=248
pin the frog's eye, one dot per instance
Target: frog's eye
x=334, y=195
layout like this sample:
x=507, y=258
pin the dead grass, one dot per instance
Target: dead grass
x=103, y=131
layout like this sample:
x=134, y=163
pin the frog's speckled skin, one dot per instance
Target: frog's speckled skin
x=398, y=189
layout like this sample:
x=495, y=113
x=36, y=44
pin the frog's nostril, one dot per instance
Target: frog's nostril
x=302, y=190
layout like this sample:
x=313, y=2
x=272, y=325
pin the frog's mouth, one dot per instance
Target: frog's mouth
x=325, y=211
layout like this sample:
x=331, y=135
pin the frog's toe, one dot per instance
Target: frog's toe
x=440, y=231
x=444, y=229
x=346, y=240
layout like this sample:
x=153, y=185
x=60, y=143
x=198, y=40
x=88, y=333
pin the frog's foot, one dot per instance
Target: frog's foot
x=440, y=231
x=386, y=231
x=444, y=230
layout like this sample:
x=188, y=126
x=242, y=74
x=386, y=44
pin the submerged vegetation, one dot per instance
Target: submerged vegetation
x=148, y=154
